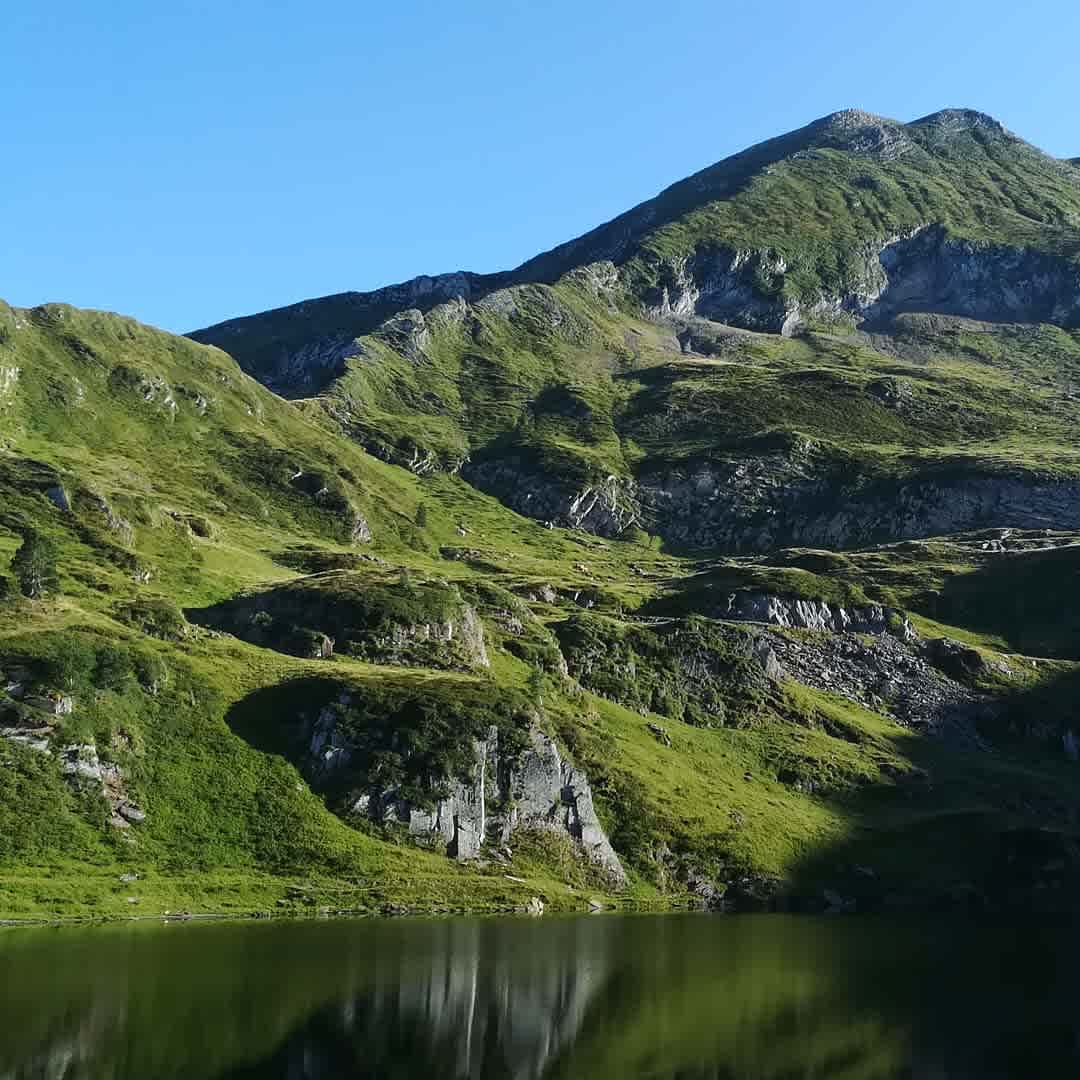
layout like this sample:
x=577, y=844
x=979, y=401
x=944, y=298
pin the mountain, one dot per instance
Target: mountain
x=726, y=553
x=840, y=255
x=811, y=196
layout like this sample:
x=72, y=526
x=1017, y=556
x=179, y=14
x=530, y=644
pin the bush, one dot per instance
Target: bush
x=70, y=660
x=156, y=617
x=35, y=565
x=149, y=669
x=417, y=741
x=114, y=667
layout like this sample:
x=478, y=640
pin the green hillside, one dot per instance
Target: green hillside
x=758, y=506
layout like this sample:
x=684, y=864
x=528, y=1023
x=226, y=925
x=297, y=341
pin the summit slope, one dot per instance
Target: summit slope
x=845, y=178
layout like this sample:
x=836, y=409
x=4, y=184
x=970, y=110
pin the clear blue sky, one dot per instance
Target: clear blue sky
x=184, y=162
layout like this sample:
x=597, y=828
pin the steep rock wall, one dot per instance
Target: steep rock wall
x=796, y=613
x=921, y=269
x=538, y=789
x=764, y=502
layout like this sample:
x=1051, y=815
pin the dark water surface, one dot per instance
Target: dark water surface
x=688, y=996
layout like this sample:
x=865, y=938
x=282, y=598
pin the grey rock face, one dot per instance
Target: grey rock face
x=606, y=508
x=9, y=379
x=327, y=750
x=794, y=498
x=456, y=823
x=466, y=634
x=537, y=790
x=55, y=704
x=28, y=735
x=545, y=791
x=919, y=270
x=124, y=530
x=802, y=614
x=725, y=285
x=932, y=272
x=80, y=762
x=308, y=368
x=407, y=333
x=361, y=530
x=296, y=360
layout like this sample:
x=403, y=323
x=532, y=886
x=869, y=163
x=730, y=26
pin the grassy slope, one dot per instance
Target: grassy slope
x=231, y=825
x=223, y=488
x=221, y=814
x=612, y=395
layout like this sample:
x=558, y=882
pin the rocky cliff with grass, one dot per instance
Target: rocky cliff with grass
x=726, y=556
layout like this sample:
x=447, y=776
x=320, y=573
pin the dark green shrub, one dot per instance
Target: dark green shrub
x=156, y=617
x=113, y=669
x=150, y=670
x=69, y=660
x=35, y=565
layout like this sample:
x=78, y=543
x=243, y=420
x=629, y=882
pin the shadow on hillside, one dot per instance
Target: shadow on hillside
x=1030, y=599
x=278, y=719
x=962, y=828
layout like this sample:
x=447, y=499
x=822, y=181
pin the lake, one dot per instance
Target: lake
x=687, y=996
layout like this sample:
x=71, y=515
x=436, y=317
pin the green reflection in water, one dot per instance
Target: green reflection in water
x=756, y=998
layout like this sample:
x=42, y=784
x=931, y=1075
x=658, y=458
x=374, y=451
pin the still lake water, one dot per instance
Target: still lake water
x=687, y=996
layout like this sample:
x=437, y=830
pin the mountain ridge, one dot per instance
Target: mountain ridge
x=640, y=240
x=472, y=281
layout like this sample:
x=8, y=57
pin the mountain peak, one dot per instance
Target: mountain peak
x=849, y=119
x=955, y=121
x=858, y=132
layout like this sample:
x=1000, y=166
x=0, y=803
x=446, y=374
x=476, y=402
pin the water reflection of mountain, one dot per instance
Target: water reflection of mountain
x=676, y=997
x=491, y=1000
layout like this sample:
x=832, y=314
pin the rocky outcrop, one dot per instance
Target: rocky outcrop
x=290, y=349
x=34, y=718
x=808, y=614
x=9, y=380
x=536, y=789
x=426, y=624
x=796, y=499
x=120, y=526
x=889, y=676
x=327, y=493
x=724, y=285
x=933, y=272
x=923, y=269
x=607, y=507
x=80, y=762
x=463, y=636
